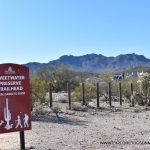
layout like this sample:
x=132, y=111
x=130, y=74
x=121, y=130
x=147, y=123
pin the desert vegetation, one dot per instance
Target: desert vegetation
x=86, y=125
x=134, y=90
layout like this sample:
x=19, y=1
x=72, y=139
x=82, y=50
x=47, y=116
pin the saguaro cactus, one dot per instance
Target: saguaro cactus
x=7, y=116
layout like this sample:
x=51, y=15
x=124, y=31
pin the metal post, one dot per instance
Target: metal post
x=50, y=95
x=83, y=94
x=69, y=94
x=97, y=93
x=109, y=92
x=120, y=93
x=22, y=140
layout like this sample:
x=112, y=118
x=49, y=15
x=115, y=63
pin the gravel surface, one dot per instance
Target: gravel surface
x=106, y=128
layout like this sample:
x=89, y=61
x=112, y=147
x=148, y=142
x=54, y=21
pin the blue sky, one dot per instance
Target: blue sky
x=44, y=30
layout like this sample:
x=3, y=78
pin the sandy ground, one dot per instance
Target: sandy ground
x=106, y=128
x=123, y=127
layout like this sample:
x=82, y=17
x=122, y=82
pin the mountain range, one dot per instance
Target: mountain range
x=94, y=63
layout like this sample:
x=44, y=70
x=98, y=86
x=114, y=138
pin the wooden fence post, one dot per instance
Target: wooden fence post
x=69, y=94
x=132, y=99
x=120, y=93
x=97, y=93
x=109, y=92
x=131, y=88
x=50, y=95
x=83, y=94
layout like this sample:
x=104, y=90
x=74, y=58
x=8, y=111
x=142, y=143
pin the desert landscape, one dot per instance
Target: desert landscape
x=75, y=75
x=105, y=128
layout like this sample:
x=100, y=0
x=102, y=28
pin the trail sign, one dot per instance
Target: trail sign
x=15, y=110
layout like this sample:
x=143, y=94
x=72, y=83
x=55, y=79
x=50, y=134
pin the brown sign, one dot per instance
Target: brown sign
x=15, y=110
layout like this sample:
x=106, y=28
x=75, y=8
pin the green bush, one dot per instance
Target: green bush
x=38, y=89
x=89, y=92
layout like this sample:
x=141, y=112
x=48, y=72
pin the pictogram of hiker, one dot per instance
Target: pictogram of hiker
x=18, y=122
x=26, y=119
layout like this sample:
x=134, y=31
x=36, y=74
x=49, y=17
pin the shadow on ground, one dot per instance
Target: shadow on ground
x=60, y=120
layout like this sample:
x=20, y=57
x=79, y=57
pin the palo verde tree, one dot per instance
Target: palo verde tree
x=38, y=89
x=61, y=76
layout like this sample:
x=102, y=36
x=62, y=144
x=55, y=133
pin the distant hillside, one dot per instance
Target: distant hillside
x=34, y=66
x=95, y=63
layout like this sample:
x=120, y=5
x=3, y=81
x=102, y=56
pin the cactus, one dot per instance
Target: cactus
x=7, y=116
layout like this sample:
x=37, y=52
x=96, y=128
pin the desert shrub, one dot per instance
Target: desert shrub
x=79, y=107
x=89, y=92
x=63, y=100
x=103, y=88
x=136, y=98
x=115, y=88
x=56, y=109
x=126, y=88
x=40, y=110
x=144, y=84
x=106, y=76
